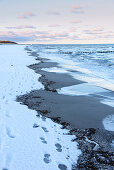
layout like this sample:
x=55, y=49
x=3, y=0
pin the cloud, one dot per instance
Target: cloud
x=77, y=9
x=94, y=31
x=35, y=36
x=51, y=36
x=22, y=27
x=98, y=33
x=73, y=29
x=76, y=22
x=109, y=36
x=28, y=36
x=17, y=37
x=54, y=13
x=54, y=25
x=27, y=15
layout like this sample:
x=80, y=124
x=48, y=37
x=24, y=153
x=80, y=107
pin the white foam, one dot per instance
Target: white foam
x=109, y=102
x=81, y=89
x=55, y=70
x=95, y=80
x=74, y=67
x=94, y=66
x=108, y=123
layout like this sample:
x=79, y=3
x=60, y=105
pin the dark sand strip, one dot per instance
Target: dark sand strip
x=80, y=112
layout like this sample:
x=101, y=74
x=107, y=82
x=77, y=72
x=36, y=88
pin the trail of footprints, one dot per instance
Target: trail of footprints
x=47, y=157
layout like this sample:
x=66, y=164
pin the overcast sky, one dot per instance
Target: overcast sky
x=57, y=21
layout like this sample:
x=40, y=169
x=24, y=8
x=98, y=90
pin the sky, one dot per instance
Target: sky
x=57, y=21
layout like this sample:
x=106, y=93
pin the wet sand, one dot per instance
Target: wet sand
x=78, y=111
x=83, y=115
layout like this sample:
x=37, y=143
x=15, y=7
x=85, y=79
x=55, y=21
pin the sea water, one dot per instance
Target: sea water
x=93, y=64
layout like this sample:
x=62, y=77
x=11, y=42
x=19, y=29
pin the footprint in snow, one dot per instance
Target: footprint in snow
x=35, y=125
x=58, y=139
x=58, y=147
x=67, y=157
x=47, y=158
x=9, y=133
x=43, y=140
x=44, y=118
x=62, y=167
x=45, y=129
x=3, y=97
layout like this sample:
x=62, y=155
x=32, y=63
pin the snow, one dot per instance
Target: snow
x=108, y=123
x=21, y=145
x=109, y=102
x=55, y=70
x=81, y=89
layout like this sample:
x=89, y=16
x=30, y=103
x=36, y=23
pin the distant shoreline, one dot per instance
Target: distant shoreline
x=7, y=42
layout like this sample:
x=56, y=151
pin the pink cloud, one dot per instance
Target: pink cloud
x=26, y=15
x=26, y=36
x=77, y=9
x=17, y=36
x=29, y=35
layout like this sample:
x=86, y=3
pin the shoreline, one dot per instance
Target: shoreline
x=96, y=153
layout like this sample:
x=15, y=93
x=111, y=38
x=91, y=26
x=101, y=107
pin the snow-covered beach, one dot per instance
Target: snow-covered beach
x=69, y=122
x=56, y=85
x=26, y=141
